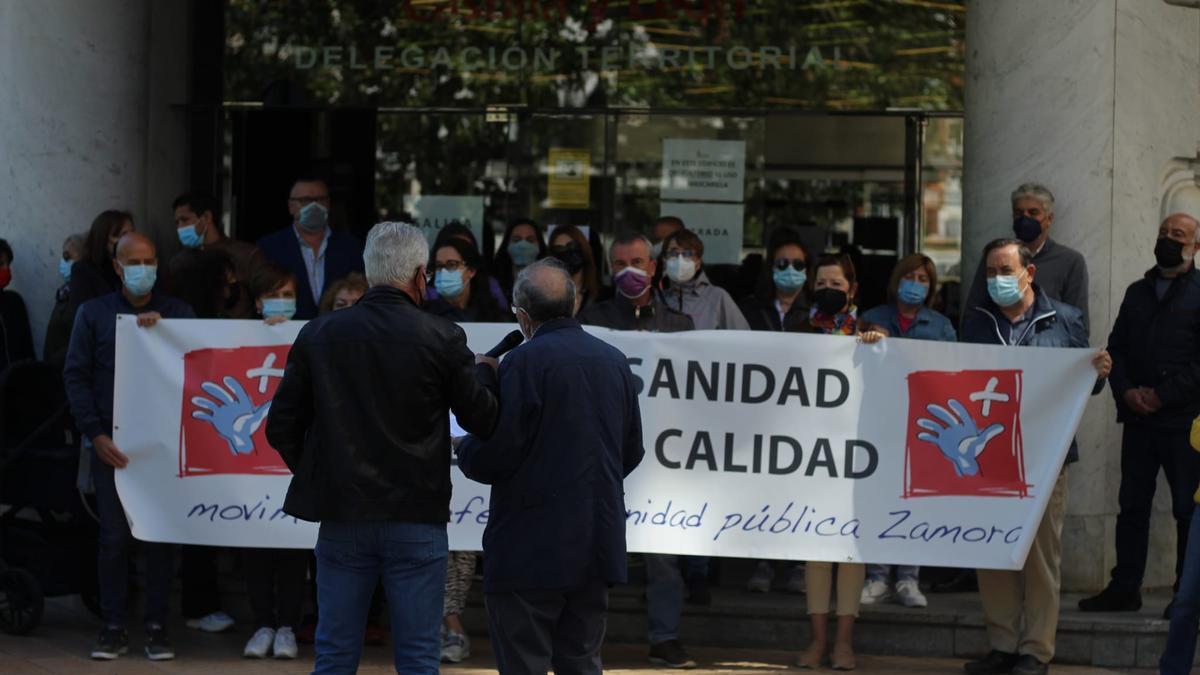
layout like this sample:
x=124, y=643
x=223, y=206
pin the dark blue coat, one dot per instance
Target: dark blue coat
x=1054, y=324
x=92, y=356
x=569, y=432
x=1156, y=343
x=343, y=255
x=927, y=325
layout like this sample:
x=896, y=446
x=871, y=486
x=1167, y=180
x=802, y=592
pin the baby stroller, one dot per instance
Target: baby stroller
x=47, y=537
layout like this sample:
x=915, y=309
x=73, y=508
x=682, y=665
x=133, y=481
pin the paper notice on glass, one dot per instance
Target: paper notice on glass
x=567, y=174
x=704, y=170
x=720, y=227
x=433, y=212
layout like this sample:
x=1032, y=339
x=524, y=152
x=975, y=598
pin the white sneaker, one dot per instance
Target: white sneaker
x=456, y=647
x=217, y=622
x=260, y=645
x=795, y=582
x=908, y=593
x=760, y=581
x=875, y=591
x=285, y=643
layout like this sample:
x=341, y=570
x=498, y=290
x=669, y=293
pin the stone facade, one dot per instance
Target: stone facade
x=1099, y=100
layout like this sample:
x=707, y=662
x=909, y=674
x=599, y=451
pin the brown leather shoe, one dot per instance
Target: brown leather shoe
x=811, y=658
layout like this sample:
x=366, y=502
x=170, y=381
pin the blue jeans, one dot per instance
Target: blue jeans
x=1185, y=614
x=884, y=572
x=664, y=596
x=113, y=557
x=410, y=558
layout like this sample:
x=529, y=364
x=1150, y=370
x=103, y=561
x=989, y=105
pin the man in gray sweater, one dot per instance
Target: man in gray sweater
x=1062, y=271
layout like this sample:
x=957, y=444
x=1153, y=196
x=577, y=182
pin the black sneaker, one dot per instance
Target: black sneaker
x=112, y=643
x=672, y=655
x=996, y=663
x=158, y=646
x=699, y=592
x=1029, y=665
x=1112, y=600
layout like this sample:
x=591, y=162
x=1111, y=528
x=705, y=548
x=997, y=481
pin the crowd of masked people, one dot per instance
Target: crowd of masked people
x=1030, y=290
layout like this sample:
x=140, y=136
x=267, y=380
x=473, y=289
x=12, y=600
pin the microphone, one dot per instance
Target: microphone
x=509, y=343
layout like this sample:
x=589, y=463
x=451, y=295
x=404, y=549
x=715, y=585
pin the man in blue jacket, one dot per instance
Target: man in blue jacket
x=569, y=432
x=315, y=253
x=1021, y=608
x=89, y=375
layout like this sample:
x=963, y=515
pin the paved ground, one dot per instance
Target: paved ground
x=61, y=643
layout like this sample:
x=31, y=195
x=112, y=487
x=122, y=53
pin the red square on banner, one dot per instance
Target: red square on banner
x=964, y=434
x=226, y=397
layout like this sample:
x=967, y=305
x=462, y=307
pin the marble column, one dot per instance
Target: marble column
x=1098, y=100
x=86, y=124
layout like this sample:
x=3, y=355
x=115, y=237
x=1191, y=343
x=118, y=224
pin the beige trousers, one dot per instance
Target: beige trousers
x=1021, y=608
x=818, y=581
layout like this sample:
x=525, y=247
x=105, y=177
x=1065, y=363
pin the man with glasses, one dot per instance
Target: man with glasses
x=315, y=253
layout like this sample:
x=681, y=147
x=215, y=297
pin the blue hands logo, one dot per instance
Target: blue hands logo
x=231, y=413
x=960, y=439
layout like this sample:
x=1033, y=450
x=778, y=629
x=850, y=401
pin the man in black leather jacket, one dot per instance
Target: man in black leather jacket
x=362, y=419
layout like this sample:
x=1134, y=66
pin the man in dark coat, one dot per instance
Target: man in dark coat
x=569, y=432
x=1155, y=344
x=362, y=418
x=316, y=254
x=16, y=339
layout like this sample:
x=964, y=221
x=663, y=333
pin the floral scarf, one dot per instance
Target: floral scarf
x=843, y=323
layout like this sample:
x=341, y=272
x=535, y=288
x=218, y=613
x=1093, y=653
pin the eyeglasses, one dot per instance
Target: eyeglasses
x=680, y=253
x=305, y=201
x=798, y=264
x=449, y=265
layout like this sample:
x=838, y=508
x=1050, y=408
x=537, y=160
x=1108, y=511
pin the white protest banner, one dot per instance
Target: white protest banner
x=719, y=226
x=433, y=212
x=758, y=445
x=698, y=169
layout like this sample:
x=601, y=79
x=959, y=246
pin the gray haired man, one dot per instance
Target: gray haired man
x=362, y=419
x=1062, y=271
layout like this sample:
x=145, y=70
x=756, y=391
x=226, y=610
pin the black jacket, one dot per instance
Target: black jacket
x=361, y=416
x=569, y=432
x=621, y=314
x=16, y=339
x=762, y=315
x=1156, y=343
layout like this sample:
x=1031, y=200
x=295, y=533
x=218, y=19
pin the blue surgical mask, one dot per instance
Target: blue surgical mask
x=912, y=292
x=273, y=307
x=189, y=237
x=1005, y=291
x=449, y=284
x=313, y=217
x=789, y=278
x=139, y=279
x=64, y=269
x=523, y=252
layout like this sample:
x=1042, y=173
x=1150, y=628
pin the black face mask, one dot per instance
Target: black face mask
x=1168, y=253
x=830, y=300
x=570, y=257
x=1027, y=229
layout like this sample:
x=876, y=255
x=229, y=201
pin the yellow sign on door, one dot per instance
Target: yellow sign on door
x=568, y=174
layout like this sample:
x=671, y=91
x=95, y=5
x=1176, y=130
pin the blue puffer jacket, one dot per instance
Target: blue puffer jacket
x=1054, y=324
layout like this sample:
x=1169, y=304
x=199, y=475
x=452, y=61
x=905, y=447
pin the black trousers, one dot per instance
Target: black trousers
x=534, y=632
x=1144, y=451
x=275, y=583
x=200, y=593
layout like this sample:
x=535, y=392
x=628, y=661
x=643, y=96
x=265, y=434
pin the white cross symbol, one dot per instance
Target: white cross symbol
x=265, y=372
x=988, y=395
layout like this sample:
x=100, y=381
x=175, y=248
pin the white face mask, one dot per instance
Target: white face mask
x=681, y=270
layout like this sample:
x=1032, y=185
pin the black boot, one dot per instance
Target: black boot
x=996, y=663
x=1112, y=600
